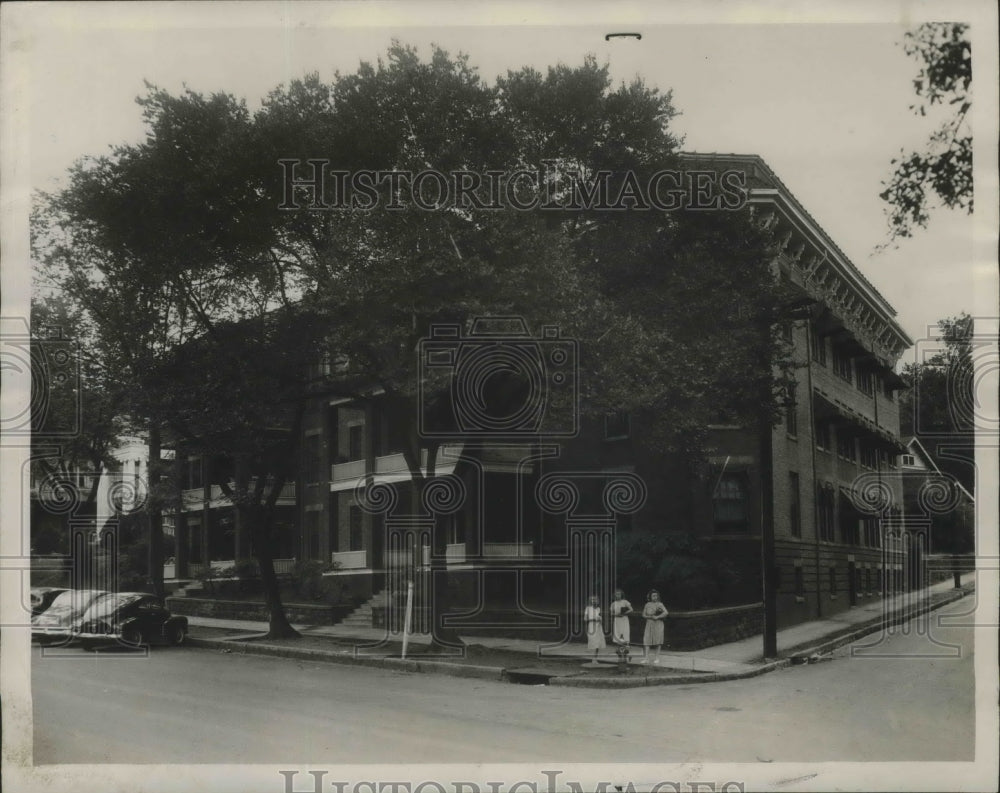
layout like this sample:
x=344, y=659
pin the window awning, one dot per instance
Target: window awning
x=832, y=410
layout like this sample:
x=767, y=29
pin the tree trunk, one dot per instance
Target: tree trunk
x=154, y=511
x=444, y=639
x=278, y=625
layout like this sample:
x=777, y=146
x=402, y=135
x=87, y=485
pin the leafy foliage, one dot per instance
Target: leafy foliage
x=945, y=166
x=676, y=563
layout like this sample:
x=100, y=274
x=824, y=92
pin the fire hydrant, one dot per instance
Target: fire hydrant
x=622, y=651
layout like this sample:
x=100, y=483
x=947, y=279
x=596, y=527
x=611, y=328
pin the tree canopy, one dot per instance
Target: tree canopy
x=944, y=167
x=220, y=295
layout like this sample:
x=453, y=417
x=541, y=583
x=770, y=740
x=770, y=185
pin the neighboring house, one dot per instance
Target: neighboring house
x=940, y=511
x=124, y=486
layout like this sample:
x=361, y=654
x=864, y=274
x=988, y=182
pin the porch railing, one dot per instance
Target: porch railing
x=350, y=560
x=508, y=550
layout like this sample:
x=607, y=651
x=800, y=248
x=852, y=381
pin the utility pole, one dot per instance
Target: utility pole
x=767, y=558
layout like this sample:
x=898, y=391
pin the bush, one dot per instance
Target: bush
x=247, y=573
x=308, y=581
x=675, y=563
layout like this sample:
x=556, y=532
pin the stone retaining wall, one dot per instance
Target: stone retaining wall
x=692, y=630
x=303, y=613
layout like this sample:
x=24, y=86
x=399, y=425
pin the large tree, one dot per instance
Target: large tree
x=75, y=418
x=940, y=406
x=944, y=166
x=202, y=215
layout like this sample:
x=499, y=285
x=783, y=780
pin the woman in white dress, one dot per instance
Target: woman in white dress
x=592, y=622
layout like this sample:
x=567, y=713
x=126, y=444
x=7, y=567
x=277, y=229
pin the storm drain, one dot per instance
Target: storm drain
x=530, y=677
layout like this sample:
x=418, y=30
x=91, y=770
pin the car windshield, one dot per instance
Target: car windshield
x=71, y=601
x=109, y=604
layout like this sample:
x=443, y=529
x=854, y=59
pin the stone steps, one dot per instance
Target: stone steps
x=362, y=616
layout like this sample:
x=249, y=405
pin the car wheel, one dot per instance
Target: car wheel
x=176, y=635
x=131, y=636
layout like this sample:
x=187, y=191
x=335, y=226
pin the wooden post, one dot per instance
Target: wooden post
x=408, y=618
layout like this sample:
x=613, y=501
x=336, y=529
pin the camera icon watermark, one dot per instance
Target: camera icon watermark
x=42, y=394
x=497, y=381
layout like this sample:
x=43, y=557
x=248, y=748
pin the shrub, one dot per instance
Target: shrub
x=676, y=563
x=247, y=573
x=308, y=581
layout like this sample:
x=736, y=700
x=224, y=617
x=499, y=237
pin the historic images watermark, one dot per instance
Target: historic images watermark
x=312, y=184
x=316, y=782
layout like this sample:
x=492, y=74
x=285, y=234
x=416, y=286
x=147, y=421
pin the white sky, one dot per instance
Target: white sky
x=825, y=104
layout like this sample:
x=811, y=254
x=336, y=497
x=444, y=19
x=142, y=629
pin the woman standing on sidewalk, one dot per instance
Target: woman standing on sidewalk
x=592, y=622
x=620, y=609
x=654, y=612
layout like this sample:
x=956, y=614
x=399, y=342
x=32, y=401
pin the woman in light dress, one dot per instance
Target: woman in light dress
x=592, y=622
x=654, y=612
x=621, y=631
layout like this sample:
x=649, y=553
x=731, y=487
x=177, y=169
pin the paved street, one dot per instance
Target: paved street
x=199, y=706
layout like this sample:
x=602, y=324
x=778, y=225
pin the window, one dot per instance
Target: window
x=825, y=512
x=873, y=538
x=356, y=441
x=845, y=446
x=312, y=533
x=616, y=425
x=868, y=580
x=357, y=528
x=193, y=480
x=869, y=456
x=832, y=576
x=866, y=380
x=817, y=344
x=794, y=505
x=908, y=459
x=730, y=503
x=842, y=364
x=887, y=389
x=314, y=459
x=821, y=430
x=791, y=412
x=849, y=521
x=786, y=331
x=351, y=435
x=800, y=582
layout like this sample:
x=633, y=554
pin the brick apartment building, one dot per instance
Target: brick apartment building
x=517, y=556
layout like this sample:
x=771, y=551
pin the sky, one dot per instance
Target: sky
x=825, y=103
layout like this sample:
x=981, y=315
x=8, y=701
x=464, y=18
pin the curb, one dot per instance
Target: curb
x=349, y=659
x=678, y=680
x=799, y=655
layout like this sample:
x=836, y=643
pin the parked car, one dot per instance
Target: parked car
x=130, y=619
x=42, y=597
x=55, y=624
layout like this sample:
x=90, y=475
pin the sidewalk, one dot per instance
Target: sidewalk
x=514, y=659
